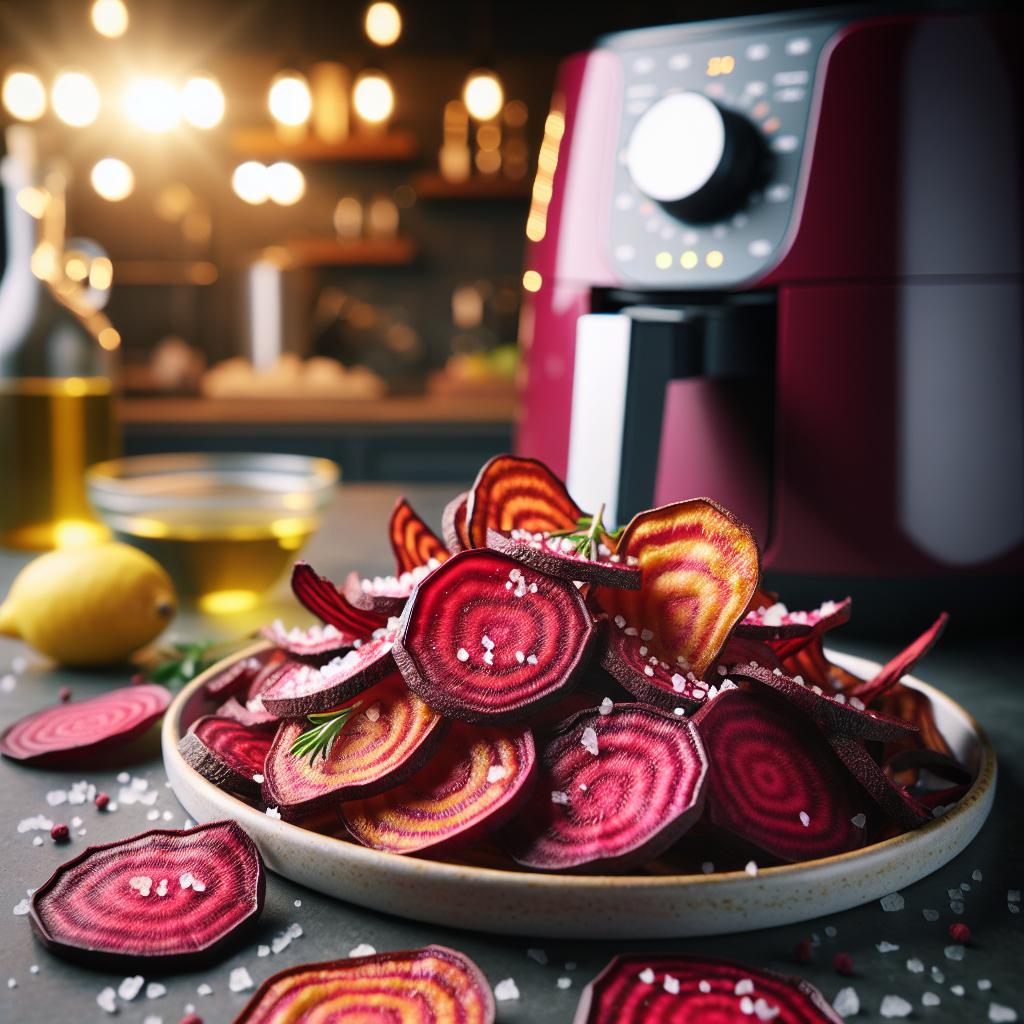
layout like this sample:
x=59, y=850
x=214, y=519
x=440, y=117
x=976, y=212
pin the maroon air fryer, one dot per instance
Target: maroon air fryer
x=777, y=260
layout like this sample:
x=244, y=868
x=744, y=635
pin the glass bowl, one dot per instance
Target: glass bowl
x=224, y=525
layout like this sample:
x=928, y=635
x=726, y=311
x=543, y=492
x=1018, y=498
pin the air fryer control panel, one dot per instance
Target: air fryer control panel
x=713, y=131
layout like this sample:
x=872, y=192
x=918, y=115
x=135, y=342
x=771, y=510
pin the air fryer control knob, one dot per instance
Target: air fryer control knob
x=697, y=159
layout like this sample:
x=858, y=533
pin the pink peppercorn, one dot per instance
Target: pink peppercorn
x=101, y=801
x=64, y=694
x=60, y=833
x=843, y=963
x=802, y=952
x=959, y=932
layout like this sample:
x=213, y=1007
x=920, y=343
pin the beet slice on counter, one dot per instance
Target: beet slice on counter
x=891, y=673
x=774, y=780
x=167, y=899
x=896, y=801
x=485, y=639
x=626, y=655
x=453, y=524
x=298, y=689
x=639, y=988
x=433, y=985
x=385, y=741
x=777, y=622
x=75, y=735
x=320, y=596
x=557, y=556
x=614, y=791
x=227, y=753
x=412, y=541
x=700, y=568
x=314, y=642
x=834, y=711
x=470, y=788
x=513, y=493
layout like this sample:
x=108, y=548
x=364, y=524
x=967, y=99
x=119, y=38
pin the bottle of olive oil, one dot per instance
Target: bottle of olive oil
x=57, y=413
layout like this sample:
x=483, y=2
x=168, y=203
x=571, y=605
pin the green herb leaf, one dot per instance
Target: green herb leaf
x=318, y=740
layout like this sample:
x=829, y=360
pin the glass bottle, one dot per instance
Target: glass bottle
x=57, y=414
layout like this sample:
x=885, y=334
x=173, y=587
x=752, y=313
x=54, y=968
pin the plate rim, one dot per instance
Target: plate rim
x=170, y=733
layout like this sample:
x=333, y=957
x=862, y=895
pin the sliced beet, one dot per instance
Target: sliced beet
x=813, y=665
x=913, y=762
x=453, y=524
x=741, y=650
x=298, y=689
x=914, y=707
x=896, y=801
x=774, y=780
x=252, y=718
x=627, y=656
x=834, y=711
x=234, y=680
x=485, y=639
x=384, y=742
x=433, y=985
x=320, y=596
x=788, y=646
x=384, y=595
x=474, y=785
x=777, y=622
x=314, y=642
x=614, y=791
x=227, y=753
x=671, y=988
x=557, y=556
x=412, y=541
x=513, y=493
x=74, y=735
x=700, y=568
x=168, y=899
x=891, y=673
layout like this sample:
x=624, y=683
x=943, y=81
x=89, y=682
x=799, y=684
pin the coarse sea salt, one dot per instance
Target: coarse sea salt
x=589, y=741
x=915, y=966
x=751, y=868
x=506, y=989
x=204, y=989
x=744, y=986
x=605, y=707
x=887, y=947
x=22, y=907
x=537, y=956
x=957, y=990
x=955, y=952
x=558, y=797
x=846, y=1002
x=363, y=949
x=239, y=980
x=671, y=985
x=564, y=982
x=107, y=1000
x=805, y=819
x=859, y=820
x=893, y=901
x=930, y=915
x=999, y=1014
x=131, y=987
x=646, y=976
x=930, y=999
x=154, y=990
x=895, y=1006
x=496, y=773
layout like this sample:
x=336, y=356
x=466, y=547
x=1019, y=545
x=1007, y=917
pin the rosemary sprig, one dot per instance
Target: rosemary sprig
x=179, y=663
x=587, y=534
x=326, y=726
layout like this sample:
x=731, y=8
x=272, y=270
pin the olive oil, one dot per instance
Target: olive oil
x=51, y=430
x=223, y=562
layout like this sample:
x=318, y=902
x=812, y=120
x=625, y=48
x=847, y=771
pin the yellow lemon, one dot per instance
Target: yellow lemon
x=90, y=605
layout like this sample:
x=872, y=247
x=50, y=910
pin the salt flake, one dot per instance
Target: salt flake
x=589, y=741
x=106, y=1000
x=239, y=980
x=893, y=901
x=895, y=1006
x=846, y=1002
x=506, y=989
x=1000, y=1014
x=363, y=949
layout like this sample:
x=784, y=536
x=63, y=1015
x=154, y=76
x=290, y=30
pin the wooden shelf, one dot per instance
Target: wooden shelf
x=363, y=252
x=431, y=185
x=391, y=147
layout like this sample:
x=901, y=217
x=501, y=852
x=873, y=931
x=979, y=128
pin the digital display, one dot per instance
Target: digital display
x=721, y=65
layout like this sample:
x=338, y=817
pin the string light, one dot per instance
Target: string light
x=151, y=104
x=24, y=95
x=109, y=18
x=285, y=183
x=483, y=95
x=383, y=24
x=250, y=182
x=289, y=99
x=76, y=100
x=112, y=179
x=373, y=97
x=202, y=102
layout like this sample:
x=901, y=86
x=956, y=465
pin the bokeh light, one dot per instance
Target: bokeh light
x=483, y=95
x=151, y=104
x=383, y=24
x=250, y=182
x=289, y=99
x=285, y=183
x=112, y=179
x=24, y=95
x=202, y=102
x=75, y=98
x=109, y=18
x=373, y=97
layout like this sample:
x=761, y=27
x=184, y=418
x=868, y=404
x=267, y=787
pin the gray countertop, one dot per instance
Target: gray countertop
x=985, y=677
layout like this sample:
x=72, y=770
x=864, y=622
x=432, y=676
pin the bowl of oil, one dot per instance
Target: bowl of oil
x=225, y=525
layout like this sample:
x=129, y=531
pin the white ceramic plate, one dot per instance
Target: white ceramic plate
x=600, y=907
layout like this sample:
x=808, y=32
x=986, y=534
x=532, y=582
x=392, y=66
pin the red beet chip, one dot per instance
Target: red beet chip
x=60, y=833
x=485, y=639
x=700, y=568
x=298, y=689
x=774, y=781
x=77, y=735
x=227, y=753
x=384, y=595
x=558, y=556
x=412, y=541
x=842, y=963
x=314, y=642
x=64, y=694
x=513, y=493
x=803, y=951
x=675, y=989
x=320, y=596
x=904, y=662
x=164, y=899
x=614, y=791
x=959, y=932
x=253, y=718
x=234, y=680
x=102, y=800
x=384, y=741
x=833, y=711
x=433, y=984
x=811, y=663
x=453, y=524
x=474, y=785
x=626, y=656
x=776, y=622
x=899, y=804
